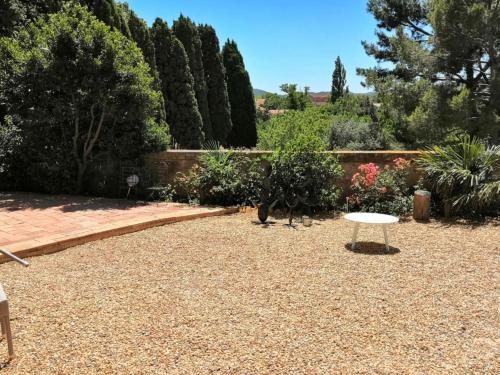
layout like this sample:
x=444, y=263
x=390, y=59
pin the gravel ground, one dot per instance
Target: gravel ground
x=225, y=295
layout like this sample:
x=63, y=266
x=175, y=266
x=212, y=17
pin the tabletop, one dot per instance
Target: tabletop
x=371, y=218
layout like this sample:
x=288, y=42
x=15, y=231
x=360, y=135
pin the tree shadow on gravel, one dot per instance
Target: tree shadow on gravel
x=372, y=248
x=466, y=223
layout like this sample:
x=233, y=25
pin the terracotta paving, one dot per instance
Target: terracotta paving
x=33, y=224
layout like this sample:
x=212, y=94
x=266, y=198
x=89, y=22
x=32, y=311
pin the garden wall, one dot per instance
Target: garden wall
x=165, y=165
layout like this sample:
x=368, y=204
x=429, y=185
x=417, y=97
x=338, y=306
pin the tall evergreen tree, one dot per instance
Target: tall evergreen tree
x=187, y=32
x=141, y=35
x=218, y=98
x=239, y=87
x=178, y=87
x=108, y=12
x=339, y=80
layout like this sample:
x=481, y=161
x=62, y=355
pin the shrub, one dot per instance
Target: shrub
x=281, y=130
x=302, y=176
x=222, y=178
x=383, y=191
x=10, y=139
x=354, y=134
x=464, y=174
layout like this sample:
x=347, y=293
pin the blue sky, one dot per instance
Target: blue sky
x=282, y=41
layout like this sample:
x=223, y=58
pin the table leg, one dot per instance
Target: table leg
x=384, y=227
x=354, y=236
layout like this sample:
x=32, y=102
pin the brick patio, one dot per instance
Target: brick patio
x=35, y=224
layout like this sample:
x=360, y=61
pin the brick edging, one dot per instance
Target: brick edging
x=32, y=248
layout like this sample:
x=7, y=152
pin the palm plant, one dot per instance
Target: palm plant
x=465, y=174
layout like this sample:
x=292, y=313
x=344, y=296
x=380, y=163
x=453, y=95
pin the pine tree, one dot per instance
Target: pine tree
x=338, y=81
x=178, y=87
x=187, y=32
x=218, y=99
x=243, y=111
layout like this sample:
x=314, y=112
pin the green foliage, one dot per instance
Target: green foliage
x=352, y=106
x=347, y=124
x=10, y=141
x=110, y=13
x=354, y=134
x=177, y=85
x=187, y=32
x=222, y=178
x=243, y=111
x=465, y=174
x=301, y=176
x=76, y=89
x=275, y=101
x=295, y=100
x=382, y=191
x=291, y=127
x=16, y=14
x=218, y=98
x=443, y=71
x=339, y=81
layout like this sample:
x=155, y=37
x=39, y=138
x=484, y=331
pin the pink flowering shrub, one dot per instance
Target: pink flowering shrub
x=381, y=190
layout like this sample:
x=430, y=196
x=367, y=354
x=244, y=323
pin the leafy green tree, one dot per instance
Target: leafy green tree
x=296, y=100
x=339, y=81
x=187, y=32
x=286, y=129
x=450, y=44
x=243, y=110
x=15, y=14
x=178, y=87
x=218, y=98
x=275, y=101
x=77, y=89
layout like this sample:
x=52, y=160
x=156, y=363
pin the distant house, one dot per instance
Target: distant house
x=261, y=106
x=319, y=100
x=260, y=103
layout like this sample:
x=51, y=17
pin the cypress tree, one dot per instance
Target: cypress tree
x=108, y=12
x=177, y=85
x=243, y=111
x=187, y=32
x=339, y=81
x=218, y=99
x=141, y=35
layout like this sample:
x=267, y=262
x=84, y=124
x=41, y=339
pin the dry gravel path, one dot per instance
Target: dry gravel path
x=227, y=296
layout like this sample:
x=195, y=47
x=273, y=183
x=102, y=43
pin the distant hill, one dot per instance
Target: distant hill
x=259, y=92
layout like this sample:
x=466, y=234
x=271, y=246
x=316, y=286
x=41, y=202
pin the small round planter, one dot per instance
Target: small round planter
x=307, y=221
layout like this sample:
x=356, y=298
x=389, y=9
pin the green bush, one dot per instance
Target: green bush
x=384, y=191
x=356, y=135
x=464, y=174
x=302, y=176
x=221, y=178
x=281, y=130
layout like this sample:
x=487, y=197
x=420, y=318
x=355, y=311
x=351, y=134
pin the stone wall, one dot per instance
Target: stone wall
x=165, y=165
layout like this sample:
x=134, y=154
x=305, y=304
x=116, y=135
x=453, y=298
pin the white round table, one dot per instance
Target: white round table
x=370, y=218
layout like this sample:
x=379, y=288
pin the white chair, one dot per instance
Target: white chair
x=5, y=321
